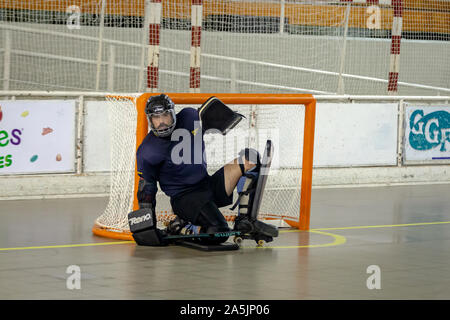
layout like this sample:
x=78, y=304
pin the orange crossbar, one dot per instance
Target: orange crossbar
x=237, y=98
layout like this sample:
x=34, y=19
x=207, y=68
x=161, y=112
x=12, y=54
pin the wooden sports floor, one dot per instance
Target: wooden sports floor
x=364, y=243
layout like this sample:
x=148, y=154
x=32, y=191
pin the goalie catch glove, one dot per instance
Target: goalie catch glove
x=214, y=114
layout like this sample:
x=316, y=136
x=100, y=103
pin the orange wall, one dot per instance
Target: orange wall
x=418, y=15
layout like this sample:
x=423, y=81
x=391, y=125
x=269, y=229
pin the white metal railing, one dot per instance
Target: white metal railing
x=111, y=64
x=344, y=97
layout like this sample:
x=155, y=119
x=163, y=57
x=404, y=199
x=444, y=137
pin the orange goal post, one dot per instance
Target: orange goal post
x=287, y=119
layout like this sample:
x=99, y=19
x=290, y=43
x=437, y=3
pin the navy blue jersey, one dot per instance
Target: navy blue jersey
x=177, y=165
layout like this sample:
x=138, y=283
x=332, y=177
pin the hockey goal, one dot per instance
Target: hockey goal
x=287, y=119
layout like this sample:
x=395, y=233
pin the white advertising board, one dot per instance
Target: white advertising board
x=346, y=135
x=355, y=134
x=427, y=133
x=37, y=136
x=97, y=137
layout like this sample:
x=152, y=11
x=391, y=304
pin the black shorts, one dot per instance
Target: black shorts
x=188, y=204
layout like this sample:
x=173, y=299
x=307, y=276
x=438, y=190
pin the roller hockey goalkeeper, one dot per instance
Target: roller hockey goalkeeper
x=195, y=196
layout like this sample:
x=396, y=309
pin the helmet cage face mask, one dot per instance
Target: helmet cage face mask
x=165, y=131
x=158, y=106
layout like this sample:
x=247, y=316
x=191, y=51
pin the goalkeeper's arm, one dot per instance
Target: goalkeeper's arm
x=147, y=188
x=146, y=194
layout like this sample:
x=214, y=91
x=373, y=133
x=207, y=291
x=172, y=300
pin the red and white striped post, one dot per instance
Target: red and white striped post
x=396, y=35
x=395, y=46
x=154, y=30
x=196, y=32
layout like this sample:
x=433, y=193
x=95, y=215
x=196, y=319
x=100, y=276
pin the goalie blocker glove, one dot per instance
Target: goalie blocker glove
x=142, y=224
x=214, y=114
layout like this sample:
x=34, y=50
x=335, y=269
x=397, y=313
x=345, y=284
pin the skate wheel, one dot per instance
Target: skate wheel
x=261, y=243
x=238, y=240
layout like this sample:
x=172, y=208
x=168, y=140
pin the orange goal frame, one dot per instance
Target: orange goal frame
x=245, y=98
x=237, y=98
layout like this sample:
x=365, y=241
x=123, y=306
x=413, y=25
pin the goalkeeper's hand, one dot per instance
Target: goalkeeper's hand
x=145, y=205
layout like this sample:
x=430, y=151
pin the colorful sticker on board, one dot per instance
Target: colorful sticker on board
x=58, y=157
x=24, y=114
x=46, y=131
x=34, y=158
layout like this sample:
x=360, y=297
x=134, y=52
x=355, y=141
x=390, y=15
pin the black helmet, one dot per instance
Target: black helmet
x=158, y=105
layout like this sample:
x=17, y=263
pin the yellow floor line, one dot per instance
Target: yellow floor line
x=66, y=246
x=338, y=239
x=371, y=227
x=387, y=226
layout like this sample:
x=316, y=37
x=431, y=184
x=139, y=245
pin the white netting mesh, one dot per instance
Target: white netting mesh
x=282, y=124
x=122, y=116
x=274, y=46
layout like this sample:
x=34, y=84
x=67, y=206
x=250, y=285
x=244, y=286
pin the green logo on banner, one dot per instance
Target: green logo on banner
x=430, y=131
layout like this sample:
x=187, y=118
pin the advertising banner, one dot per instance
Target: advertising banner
x=37, y=136
x=356, y=134
x=427, y=133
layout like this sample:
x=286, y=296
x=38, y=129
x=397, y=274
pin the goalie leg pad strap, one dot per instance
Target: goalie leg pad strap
x=246, y=187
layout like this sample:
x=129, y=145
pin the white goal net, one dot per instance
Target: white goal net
x=283, y=124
